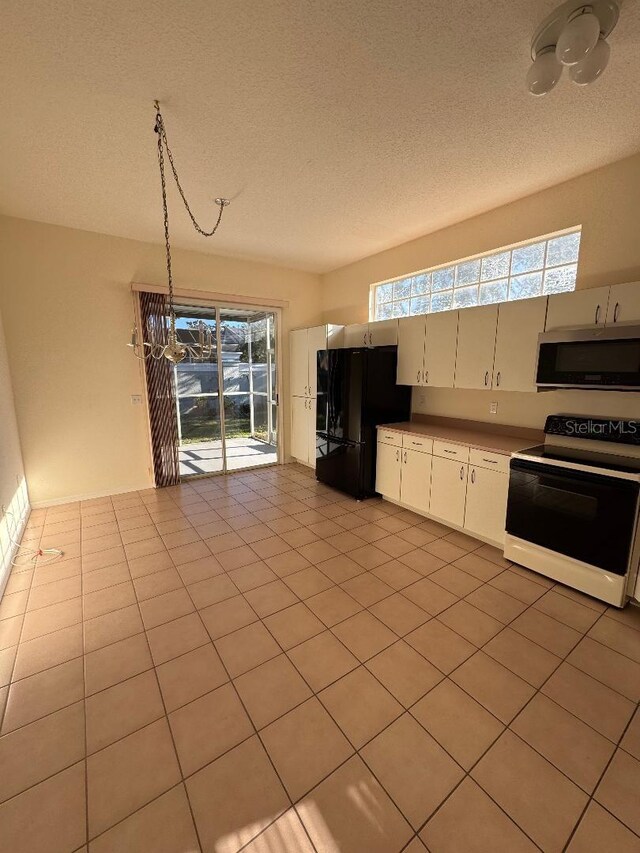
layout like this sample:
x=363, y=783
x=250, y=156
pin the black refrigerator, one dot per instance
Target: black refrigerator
x=356, y=391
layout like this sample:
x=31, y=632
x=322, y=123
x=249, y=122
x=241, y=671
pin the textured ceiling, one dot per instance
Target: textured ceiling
x=338, y=128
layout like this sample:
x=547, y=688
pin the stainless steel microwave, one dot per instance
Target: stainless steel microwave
x=602, y=358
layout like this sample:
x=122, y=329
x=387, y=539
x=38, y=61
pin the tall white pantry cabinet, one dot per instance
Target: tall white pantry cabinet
x=304, y=345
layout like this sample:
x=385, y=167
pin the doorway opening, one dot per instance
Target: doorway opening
x=227, y=402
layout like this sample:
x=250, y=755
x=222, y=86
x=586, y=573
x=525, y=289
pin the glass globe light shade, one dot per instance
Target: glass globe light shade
x=579, y=36
x=592, y=65
x=544, y=73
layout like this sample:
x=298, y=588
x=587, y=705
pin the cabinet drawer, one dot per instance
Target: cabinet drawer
x=417, y=442
x=492, y=461
x=390, y=437
x=451, y=451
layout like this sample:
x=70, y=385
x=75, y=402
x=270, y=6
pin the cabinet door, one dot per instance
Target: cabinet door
x=388, y=471
x=441, y=340
x=299, y=363
x=311, y=431
x=476, y=344
x=317, y=340
x=519, y=324
x=578, y=308
x=383, y=333
x=624, y=304
x=486, y=504
x=356, y=335
x=415, y=486
x=300, y=428
x=411, y=333
x=448, y=489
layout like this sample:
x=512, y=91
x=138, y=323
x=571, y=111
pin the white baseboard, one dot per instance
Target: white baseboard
x=90, y=496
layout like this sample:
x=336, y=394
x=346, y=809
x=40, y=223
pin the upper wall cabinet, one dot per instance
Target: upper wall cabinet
x=381, y=334
x=299, y=362
x=476, y=344
x=578, y=308
x=440, y=349
x=519, y=324
x=304, y=346
x=411, y=337
x=427, y=349
x=624, y=304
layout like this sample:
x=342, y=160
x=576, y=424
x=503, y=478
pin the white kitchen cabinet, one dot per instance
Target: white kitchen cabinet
x=411, y=340
x=388, y=470
x=299, y=363
x=356, y=335
x=383, y=333
x=519, y=324
x=624, y=304
x=380, y=334
x=316, y=340
x=486, y=503
x=448, y=490
x=577, y=308
x=415, y=484
x=476, y=344
x=440, y=348
x=302, y=414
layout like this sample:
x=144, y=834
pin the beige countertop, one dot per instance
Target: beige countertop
x=482, y=438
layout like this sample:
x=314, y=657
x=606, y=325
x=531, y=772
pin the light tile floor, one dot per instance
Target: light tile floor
x=257, y=662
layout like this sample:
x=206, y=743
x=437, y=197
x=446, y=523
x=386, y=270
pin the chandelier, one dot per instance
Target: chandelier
x=174, y=350
x=573, y=36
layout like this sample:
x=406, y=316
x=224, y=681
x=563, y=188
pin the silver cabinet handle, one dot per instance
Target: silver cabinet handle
x=365, y=339
x=370, y=339
x=616, y=311
x=405, y=457
x=426, y=377
x=455, y=452
x=416, y=443
x=498, y=379
x=491, y=461
x=597, y=317
x=419, y=375
x=473, y=475
x=397, y=455
x=462, y=472
x=486, y=378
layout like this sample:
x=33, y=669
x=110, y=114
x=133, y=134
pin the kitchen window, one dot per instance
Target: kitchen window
x=538, y=267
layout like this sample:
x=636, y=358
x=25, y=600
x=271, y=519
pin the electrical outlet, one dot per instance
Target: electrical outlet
x=493, y=408
x=136, y=399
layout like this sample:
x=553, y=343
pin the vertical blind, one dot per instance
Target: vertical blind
x=161, y=393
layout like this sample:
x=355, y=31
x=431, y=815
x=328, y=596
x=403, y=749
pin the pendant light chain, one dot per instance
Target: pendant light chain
x=174, y=350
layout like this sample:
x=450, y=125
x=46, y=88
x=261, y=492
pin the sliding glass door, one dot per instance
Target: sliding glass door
x=227, y=403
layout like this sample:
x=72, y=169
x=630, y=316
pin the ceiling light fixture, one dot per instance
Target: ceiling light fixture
x=174, y=349
x=574, y=35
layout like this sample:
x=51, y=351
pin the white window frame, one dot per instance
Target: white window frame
x=507, y=282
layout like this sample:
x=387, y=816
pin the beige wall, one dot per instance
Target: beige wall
x=607, y=205
x=13, y=493
x=67, y=306
x=605, y=202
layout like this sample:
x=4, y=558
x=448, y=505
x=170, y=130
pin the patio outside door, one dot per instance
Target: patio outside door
x=227, y=403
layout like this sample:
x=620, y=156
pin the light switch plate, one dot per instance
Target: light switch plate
x=136, y=399
x=493, y=408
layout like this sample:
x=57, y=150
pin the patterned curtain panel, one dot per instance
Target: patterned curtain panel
x=161, y=392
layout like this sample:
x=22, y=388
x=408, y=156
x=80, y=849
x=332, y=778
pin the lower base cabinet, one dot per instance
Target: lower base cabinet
x=388, y=471
x=448, y=490
x=486, y=503
x=469, y=493
x=415, y=485
x=303, y=429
